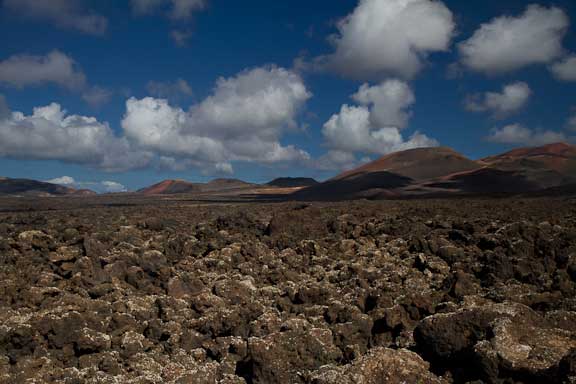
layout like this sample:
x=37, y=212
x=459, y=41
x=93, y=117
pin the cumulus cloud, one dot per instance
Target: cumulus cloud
x=336, y=160
x=113, y=186
x=389, y=102
x=54, y=68
x=242, y=120
x=68, y=14
x=565, y=69
x=351, y=131
x=519, y=135
x=105, y=186
x=50, y=134
x=176, y=9
x=507, y=43
x=169, y=90
x=393, y=37
x=374, y=127
x=62, y=180
x=511, y=99
x=206, y=169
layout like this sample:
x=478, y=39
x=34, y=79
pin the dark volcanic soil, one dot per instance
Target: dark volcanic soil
x=436, y=291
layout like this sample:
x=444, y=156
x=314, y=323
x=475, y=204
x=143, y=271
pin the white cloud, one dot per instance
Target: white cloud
x=512, y=98
x=389, y=101
x=336, y=160
x=63, y=180
x=181, y=37
x=97, y=96
x=113, y=186
x=143, y=7
x=565, y=69
x=68, y=14
x=177, y=9
x=374, y=127
x=352, y=131
x=519, y=135
x=179, y=164
x=105, y=186
x=183, y=9
x=242, y=120
x=393, y=37
x=50, y=134
x=54, y=68
x=507, y=43
x=169, y=90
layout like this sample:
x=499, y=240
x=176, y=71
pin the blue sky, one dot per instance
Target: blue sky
x=287, y=68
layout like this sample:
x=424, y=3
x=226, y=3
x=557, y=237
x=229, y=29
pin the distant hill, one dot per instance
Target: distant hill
x=27, y=187
x=225, y=184
x=445, y=172
x=388, y=175
x=171, y=187
x=547, y=166
x=421, y=172
x=292, y=182
x=416, y=164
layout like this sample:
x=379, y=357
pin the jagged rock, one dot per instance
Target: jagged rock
x=90, y=341
x=496, y=340
x=133, y=343
x=63, y=254
x=283, y=357
x=36, y=239
x=461, y=291
x=380, y=366
x=464, y=285
x=184, y=286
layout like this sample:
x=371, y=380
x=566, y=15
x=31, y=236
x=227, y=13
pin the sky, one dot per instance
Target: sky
x=116, y=95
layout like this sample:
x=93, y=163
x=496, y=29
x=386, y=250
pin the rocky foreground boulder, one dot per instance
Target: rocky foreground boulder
x=391, y=292
x=494, y=340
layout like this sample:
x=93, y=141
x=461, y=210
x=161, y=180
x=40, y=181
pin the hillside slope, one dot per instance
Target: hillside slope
x=445, y=172
x=27, y=187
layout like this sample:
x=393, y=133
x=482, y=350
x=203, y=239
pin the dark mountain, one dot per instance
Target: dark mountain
x=390, y=174
x=292, y=182
x=27, y=187
x=444, y=172
x=547, y=166
x=485, y=181
x=416, y=164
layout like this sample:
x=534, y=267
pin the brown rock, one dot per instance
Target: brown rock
x=283, y=357
x=379, y=366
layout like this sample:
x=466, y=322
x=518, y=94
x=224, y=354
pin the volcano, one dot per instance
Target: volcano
x=442, y=172
x=172, y=187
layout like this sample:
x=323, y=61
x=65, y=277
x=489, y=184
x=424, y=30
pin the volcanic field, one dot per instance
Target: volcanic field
x=117, y=290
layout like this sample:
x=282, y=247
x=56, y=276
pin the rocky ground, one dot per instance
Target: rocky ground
x=437, y=291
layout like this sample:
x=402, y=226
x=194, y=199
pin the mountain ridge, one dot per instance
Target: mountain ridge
x=35, y=188
x=420, y=172
x=438, y=171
